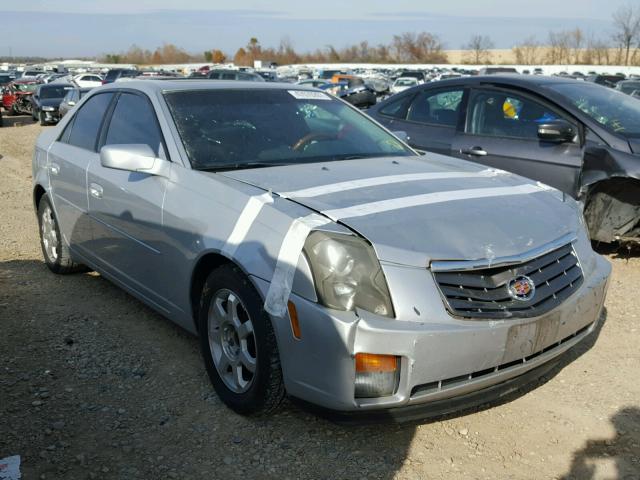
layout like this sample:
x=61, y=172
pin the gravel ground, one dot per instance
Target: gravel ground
x=93, y=384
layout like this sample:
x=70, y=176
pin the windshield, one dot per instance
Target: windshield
x=614, y=110
x=224, y=129
x=54, y=92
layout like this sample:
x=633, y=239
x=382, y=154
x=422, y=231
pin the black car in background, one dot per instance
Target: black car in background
x=579, y=137
x=46, y=101
x=117, y=73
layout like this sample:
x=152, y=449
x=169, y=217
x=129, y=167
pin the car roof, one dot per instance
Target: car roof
x=155, y=86
x=510, y=79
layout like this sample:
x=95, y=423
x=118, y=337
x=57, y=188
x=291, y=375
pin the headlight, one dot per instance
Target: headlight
x=48, y=109
x=347, y=273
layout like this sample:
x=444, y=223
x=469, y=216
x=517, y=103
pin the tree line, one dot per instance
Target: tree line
x=571, y=46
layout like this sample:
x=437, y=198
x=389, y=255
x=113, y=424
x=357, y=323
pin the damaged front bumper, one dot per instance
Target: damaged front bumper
x=442, y=358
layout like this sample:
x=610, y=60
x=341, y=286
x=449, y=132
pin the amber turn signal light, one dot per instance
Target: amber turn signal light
x=373, y=363
x=293, y=318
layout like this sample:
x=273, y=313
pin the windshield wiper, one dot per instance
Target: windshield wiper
x=223, y=167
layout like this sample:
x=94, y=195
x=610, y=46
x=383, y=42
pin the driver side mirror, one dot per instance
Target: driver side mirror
x=559, y=131
x=133, y=158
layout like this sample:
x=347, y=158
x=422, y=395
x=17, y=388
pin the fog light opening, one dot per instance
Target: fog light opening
x=376, y=375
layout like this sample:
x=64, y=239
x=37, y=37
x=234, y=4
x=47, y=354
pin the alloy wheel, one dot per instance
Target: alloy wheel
x=232, y=341
x=49, y=234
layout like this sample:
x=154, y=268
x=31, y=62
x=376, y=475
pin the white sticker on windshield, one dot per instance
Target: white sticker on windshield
x=308, y=95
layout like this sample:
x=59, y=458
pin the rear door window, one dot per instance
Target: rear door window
x=87, y=122
x=436, y=108
x=397, y=108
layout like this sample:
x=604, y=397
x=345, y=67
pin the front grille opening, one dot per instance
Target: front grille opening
x=439, y=385
x=484, y=293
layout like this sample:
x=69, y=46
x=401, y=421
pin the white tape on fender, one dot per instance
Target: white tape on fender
x=385, y=180
x=282, y=281
x=244, y=222
x=431, y=198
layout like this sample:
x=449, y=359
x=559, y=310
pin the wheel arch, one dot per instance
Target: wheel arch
x=205, y=264
x=38, y=192
x=611, y=198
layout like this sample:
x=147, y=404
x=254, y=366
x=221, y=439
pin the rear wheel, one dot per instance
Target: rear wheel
x=55, y=252
x=238, y=343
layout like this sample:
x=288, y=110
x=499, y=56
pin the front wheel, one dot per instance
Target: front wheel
x=56, y=253
x=238, y=344
x=43, y=122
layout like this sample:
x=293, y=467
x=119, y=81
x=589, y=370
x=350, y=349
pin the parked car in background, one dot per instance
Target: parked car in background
x=417, y=74
x=628, y=86
x=314, y=82
x=228, y=74
x=605, y=80
x=403, y=83
x=6, y=79
x=72, y=97
x=314, y=253
x=88, y=80
x=117, y=73
x=352, y=89
x=31, y=74
x=581, y=138
x=16, y=97
x=268, y=75
x=496, y=70
x=46, y=102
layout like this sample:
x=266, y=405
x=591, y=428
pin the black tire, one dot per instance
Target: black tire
x=61, y=262
x=43, y=122
x=266, y=392
x=12, y=112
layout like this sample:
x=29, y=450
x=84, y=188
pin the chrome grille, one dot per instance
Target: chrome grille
x=484, y=293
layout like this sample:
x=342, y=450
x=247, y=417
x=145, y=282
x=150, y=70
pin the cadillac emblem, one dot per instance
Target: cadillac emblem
x=522, y=288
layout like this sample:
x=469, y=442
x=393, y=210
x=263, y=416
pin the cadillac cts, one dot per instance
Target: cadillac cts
x=313, y=253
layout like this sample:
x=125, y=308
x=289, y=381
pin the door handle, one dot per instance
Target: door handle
x=477, y=151
x=95, y=190
x=54, y=168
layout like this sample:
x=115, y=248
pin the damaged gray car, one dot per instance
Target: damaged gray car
x=313, y=253
x=579, y=137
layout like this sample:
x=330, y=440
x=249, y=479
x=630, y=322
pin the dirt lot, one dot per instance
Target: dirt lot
x=95, y=385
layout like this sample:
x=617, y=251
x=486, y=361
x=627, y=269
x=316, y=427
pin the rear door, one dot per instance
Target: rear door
x=68, y=160
x=501, y=130
x=126, y=207
x=429, y=117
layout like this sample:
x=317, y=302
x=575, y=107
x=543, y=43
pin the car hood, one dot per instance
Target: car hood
x=414, y=234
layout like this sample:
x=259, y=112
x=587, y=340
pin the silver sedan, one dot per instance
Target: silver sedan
x=314, y=253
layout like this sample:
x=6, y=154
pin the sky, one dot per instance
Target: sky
x=73, y=28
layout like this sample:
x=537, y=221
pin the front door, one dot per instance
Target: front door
x=501, y=130
x=126, y=207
